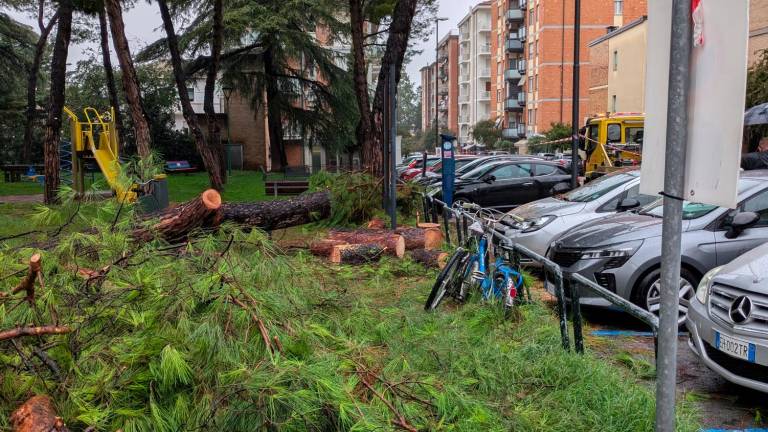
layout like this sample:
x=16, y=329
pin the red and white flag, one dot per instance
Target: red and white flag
x=698, y=23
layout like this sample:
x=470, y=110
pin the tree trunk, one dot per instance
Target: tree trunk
x=397, y=45
x=394, y=243
x=130, y=79
x=177, y=223
x=58, y=82
x=210, y=159
x=430, y=258
x=34, y=70
x=325, y=247
x=274, y=113
x=360, y=78
x=110, y=77
x=37, y=414
x=214, y=130
x=356, y=253
x=272, y=215
x=418, y=238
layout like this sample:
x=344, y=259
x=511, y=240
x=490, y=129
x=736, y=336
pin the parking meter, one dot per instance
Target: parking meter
x=447, y=152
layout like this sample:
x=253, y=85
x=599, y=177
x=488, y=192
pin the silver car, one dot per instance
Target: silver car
x=622, y=253
x=535, y=225
x=728, y=321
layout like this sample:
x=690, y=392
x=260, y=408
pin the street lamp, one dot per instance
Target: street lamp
x=228, y=94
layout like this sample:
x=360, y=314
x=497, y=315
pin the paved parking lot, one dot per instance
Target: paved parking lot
x=725, y=406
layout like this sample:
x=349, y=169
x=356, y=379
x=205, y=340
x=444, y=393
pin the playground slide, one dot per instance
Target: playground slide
x=107, y=158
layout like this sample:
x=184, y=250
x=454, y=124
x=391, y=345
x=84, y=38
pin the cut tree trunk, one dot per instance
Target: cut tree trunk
x=394, y=243
x=109, y=76
x=272, y=215
x=209, y=157
x=325, y=247
x=214, y=130
x=130, y=78
x=58, y=82
x=177, y=223
x=357, y=253
x=420, y=238
x=27, y=284
x=376, y=223
x=37, y=414
x=430, y=258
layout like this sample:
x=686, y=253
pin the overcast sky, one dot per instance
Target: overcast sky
x=143, y=25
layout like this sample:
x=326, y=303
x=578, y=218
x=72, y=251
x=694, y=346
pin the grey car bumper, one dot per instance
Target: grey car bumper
x=702, y=341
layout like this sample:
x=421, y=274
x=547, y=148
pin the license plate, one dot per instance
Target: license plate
x=735, y=347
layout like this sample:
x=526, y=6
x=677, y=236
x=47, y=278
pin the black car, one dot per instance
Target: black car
x=508, y=184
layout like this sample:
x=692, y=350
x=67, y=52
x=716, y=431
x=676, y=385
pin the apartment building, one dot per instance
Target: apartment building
x=474, y=69
x=428, y=75
x=508, y=67
x=448, y=83
x=758, y=28
x=549, y=54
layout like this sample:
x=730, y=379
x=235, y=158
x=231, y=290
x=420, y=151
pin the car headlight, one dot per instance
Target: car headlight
x=702, y=292
x=532, y=225
x=624, y=250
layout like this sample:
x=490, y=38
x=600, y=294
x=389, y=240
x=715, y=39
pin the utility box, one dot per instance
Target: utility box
x=155, y=198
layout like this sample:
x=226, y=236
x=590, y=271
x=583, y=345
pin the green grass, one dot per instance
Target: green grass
x=20, y=188
x=159, y=346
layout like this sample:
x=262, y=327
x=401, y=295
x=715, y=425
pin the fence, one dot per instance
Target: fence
x=438, y=212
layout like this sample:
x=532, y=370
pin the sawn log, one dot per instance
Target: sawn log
x=37, y=414
x=273, y=215
x=430, y=258
x=394, y=243
x=356, y=253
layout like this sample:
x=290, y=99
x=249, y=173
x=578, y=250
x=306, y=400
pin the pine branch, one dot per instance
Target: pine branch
x=33, y=331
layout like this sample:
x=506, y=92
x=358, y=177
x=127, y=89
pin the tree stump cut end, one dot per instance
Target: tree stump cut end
x=211, y=199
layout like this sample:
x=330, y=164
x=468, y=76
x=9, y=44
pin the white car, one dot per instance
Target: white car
x=535, y=225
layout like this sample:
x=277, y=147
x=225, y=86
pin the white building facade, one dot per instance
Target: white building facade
x=474, y=69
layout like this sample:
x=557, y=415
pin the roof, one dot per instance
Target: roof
x=619, y=31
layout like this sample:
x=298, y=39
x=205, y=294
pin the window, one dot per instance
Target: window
x=530, y=83
x=531, y=17
x=536, y=14
x=507, y=172
x=530, y=50
x=759, y=205
x=191, y=93
x=530, y=116
x=615, y=61
x=644, y=200
x=542, y=170
x=614, y=133
x=536, y=47
x=634, y=135
x=618, y=7
x=536, y=82
x=613, y=103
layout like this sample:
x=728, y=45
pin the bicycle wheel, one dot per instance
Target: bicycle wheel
x=443, y=283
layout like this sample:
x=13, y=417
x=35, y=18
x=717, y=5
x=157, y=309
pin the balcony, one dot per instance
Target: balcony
x=515, y=15
x=484, y=49
x=483, y=95
x=483, y=27
x=464, y=56
x=464, y=77
x=521, y=66
x=521, y=99
x=464, y=98
x=484, y=73
x=514, y=46
x=522, y=34
x=512, y=104
x=464, y=35
x=464, y=118
x=523, y=4
x=512, y=74
x=514, y=131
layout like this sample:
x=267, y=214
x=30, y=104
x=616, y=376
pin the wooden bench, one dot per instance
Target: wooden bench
x=180, y=166
x=286, y=187
x=13, y=172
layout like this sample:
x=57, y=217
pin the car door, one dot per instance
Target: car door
x=512, y=186
x=728, y=249
x=546, y=177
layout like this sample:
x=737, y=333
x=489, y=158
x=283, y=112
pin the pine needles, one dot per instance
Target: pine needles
x=168, y=339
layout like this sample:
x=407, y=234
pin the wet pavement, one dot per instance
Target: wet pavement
x=724, y=406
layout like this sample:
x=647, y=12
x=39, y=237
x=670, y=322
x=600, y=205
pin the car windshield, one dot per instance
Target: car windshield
x=692, y=210
x=480, y=171
x=598, y=187
x=472, y=165
x=457, y=165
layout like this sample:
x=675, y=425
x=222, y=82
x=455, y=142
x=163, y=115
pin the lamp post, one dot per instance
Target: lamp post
x=228, y=94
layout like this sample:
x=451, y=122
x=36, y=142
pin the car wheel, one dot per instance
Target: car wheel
x=460, y=201
x=648, y=293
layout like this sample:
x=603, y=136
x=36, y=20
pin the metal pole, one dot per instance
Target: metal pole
x=575, y=95
x=393, y=145
x=674, y=183
x=578, y=334
x=447, y=224
x=561, y=310
x=437, y=97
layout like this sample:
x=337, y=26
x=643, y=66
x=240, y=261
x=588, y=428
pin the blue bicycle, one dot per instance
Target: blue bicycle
x=470, y=269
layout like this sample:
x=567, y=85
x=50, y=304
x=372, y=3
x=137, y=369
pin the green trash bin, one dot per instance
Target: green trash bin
x=155, y=197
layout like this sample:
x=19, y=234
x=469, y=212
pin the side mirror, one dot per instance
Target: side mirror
x=489, y=178
x=741, y=222
x=627, y=204
x=561, y=188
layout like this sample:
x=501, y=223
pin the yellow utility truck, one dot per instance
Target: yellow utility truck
x=612, y=141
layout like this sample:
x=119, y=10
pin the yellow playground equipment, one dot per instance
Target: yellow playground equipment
x=96, y=139
x=612, y=141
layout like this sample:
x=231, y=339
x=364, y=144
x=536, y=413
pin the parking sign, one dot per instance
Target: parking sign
x=716, y=102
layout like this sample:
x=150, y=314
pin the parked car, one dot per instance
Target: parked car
x=535, y=225
x=622, y=253
x=509, y=183
x=728, y=321
x=434, y=174
x=415, y=167
x=566, y=160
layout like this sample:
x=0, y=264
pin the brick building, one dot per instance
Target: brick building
x=428, y=74
x=448, y=83
x=549, y=54
x=758, y=28
x=508, y=67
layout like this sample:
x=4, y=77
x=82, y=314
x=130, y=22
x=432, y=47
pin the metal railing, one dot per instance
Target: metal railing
x=438, y=212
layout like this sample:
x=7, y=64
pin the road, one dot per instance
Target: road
x=725, y=406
